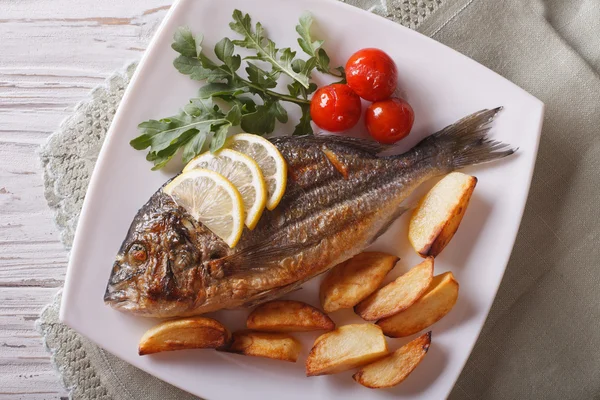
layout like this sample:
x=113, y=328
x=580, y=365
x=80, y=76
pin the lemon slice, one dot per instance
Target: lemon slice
x=211, y=199
x=270, y=161
x=243, y=172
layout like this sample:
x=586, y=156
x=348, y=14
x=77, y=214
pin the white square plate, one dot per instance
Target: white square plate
x=442, y=86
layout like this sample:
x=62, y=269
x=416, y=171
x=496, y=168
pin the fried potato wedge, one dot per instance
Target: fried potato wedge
x=185, y=333
x=278, y=346
x=438, y=215
x=353, y=280
x=433, y=306
x=347, y=347
x=393, y=369
x=398, y=295
x=288, y=316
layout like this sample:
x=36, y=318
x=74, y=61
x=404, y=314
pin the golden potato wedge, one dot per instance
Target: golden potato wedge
x=278, y=346
x=347, y=347
x=185, y=333
x=438, y=215
x=351, y=281
x=433, y=306
x=288, y=316
x=393, y=369
x=397, y=295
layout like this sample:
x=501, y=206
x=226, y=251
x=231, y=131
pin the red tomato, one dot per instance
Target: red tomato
x=389, y=120
x=372, y=74
x=335, y=108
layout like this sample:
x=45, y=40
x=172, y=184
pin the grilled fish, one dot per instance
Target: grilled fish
x=340, y=197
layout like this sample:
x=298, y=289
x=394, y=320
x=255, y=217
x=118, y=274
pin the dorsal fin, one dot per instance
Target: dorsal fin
x=365, y=145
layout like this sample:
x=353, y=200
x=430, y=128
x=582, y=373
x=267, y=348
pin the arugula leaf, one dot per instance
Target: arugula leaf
x=342, y=74
x=280, y=112
x=203, y=108
x=305, y=67
x=322, y=61
x=162, y=157
x=305, y=41
x=202, y=123
x=259, y=122
x=256, y=39
x=246, y=104
x=259, y=81
x=150, y=129
x=314, y=48
x=219, y=137
x=224, y=52
x=234, y=116
x=192, y=62
x=187, y=65
x=297, y=90
x=184, y=42
x=194, y=146
x=188, y=129
x=199, y=40
x=261, y=77
x=262, y=121
x=303, y=127
x=221, y=90
x=197, y=70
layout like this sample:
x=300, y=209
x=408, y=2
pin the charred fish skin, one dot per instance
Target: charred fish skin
x=341, y=196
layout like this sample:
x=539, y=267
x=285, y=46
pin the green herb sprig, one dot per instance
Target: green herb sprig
x=228, y=99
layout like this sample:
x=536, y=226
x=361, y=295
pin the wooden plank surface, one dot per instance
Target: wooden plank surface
x=52, y=53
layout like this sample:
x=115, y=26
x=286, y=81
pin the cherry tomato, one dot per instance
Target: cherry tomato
x=335, y=108
x=372, y=74
x=389, y=120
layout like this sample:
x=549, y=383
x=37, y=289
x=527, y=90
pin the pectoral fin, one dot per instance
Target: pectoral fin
x=259, y=256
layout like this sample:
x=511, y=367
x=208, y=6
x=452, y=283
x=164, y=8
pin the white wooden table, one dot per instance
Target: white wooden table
x=52, y=53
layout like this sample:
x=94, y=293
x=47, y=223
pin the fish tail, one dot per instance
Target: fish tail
x=466, y=142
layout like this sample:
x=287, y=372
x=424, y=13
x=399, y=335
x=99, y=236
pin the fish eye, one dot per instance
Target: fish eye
x=138, y=253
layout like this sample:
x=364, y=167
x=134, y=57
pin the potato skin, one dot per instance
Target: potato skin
x=447, y=231
x=185, y=333
x=398, y=295
x=277, y=346
x=432, y=224
x=288, y=316
x=440, y=298
x=355, y=279
x=395, y=368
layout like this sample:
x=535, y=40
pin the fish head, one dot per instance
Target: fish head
x=161, y=268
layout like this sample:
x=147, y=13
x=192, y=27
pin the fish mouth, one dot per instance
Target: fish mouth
x=127, y=298
x=121, y=291
x=131, y=302
x=124, y=298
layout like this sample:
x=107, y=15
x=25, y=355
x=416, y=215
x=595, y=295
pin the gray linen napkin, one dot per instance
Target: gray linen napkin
x=540, y=339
